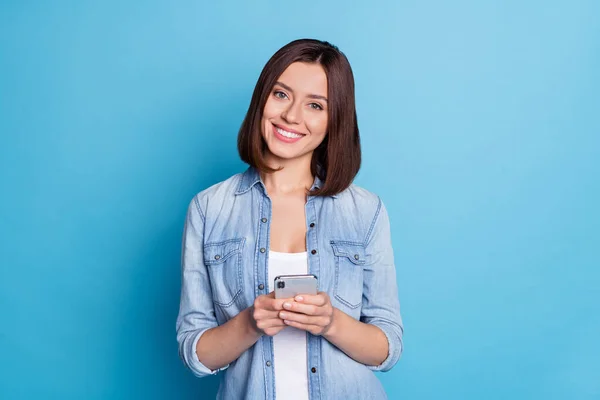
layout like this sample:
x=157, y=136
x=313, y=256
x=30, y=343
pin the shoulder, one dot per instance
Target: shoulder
x=360, y=198
x=370, y=210
x=218, y=193
x=361, y=209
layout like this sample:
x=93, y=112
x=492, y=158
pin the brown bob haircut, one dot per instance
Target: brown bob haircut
x=336, y=160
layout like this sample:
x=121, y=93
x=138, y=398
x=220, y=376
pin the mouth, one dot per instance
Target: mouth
x=285, y=135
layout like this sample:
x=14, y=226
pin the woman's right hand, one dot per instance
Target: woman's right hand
x=264, y=314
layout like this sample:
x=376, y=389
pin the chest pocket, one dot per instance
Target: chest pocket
x=349, y=259
x=224, y=263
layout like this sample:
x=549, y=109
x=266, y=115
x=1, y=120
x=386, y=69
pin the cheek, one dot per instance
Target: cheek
x=269, y=111
x=266, y=112
x=272, y=109
x=317, y=124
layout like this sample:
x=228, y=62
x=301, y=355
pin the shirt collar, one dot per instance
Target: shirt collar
x=251, y=177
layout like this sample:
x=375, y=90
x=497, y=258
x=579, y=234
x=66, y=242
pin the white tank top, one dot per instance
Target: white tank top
x=289, y=345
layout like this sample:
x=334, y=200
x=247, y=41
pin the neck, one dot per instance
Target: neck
x=295, y=175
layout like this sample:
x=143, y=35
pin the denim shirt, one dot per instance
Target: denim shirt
x=224, y=268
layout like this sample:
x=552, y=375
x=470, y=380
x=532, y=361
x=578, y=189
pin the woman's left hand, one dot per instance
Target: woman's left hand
x=312, y=313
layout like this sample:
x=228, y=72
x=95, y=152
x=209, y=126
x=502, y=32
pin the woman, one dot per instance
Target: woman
x=295, y=210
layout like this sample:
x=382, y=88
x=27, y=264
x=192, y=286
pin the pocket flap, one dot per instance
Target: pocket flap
x=355, y=252
x=216, y=253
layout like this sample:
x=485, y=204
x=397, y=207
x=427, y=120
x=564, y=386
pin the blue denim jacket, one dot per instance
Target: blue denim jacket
x=224, y=268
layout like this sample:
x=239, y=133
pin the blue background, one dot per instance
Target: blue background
x=480, y=124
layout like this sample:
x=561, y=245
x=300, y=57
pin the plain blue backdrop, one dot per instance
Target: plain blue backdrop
x=480, y=124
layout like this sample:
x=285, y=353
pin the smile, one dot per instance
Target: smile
x=286, y=136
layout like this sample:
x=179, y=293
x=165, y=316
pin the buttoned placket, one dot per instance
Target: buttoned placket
x=314, y=267
x=261, y=273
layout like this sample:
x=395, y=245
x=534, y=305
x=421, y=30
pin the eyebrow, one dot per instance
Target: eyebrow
x=312, y=96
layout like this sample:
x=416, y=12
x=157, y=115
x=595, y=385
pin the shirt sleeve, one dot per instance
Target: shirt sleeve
x=381, y=306
x=196, y=310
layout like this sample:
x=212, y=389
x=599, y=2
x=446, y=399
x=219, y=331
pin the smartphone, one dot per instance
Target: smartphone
x=288, y=286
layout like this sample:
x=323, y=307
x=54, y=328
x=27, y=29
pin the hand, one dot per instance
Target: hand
x=313, y=314
x=264, y=314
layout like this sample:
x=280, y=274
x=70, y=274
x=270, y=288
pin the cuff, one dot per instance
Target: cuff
x=195, y=365
x=394, y=349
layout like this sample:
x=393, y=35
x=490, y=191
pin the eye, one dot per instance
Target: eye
x=315, y=106
x=279, y=94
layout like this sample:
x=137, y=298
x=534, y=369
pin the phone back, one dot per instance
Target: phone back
x=288, y=286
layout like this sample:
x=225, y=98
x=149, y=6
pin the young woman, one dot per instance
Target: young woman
x=293, y=211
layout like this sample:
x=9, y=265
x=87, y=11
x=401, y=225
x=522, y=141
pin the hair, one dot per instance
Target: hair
x=337, y=159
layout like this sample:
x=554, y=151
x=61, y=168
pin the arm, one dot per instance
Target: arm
x=224, y=344
x=204, y=347
x=362, y=342
x=221, y=345
x=375, y=340
x=380, y=306
x=196, y=311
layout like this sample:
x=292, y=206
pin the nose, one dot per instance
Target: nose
x=292, y=114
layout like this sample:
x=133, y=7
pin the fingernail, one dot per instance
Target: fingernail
x=282, y=315
x=287, y=305
x=299, y=298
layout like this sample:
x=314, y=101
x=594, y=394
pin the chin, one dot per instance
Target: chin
x=284, y=155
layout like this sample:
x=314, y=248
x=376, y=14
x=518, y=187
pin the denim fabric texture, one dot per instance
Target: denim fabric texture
x=224, y=268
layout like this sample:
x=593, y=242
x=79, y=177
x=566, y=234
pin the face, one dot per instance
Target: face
x=294, y=120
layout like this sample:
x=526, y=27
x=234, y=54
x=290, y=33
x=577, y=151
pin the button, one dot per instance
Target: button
x=261, y=286
x=217, y=257
x=356, y=256
x=268, y=363
x=313, y=252
x=263, y=220
x=312, y=225
x=313, y=370
x=262, y=249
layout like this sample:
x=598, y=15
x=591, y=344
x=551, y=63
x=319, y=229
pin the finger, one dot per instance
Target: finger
x=264, y=301
x=274, y=330
x=261, y=313
x=303, y=319
x=316, y=300
x=269, y=323
x=307, y=309
x=268, y=302
x=296, y=317
x=277, y=304
x=309, y=328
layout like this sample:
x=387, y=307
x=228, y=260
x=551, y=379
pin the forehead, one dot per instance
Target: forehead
x=305, y=78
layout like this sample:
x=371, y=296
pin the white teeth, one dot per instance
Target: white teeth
x=288, y=134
